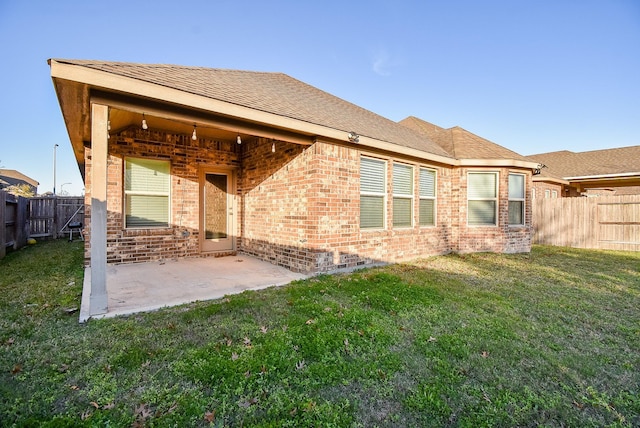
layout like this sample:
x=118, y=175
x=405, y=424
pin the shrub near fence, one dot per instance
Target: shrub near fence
x=604, y=222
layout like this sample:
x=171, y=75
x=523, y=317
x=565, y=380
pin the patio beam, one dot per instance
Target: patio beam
x=98, y=300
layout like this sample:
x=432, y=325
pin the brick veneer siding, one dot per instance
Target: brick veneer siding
x=502, y=238
x=562, y=191
x=297, y=207
x=275, y=188
x=181, y=238
x=302, y=209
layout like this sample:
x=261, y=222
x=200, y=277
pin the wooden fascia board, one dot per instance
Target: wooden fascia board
x=512, y=163
x=539, y=178
x=621, y=176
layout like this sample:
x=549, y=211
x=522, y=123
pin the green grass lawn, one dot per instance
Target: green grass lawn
x=551, y=338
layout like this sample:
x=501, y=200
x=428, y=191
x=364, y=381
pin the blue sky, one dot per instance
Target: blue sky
x=533, y=76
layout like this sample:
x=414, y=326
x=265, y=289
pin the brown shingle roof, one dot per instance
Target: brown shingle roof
x=461, y=143
x=275, y=93
x=565, y=164
x=12, y=177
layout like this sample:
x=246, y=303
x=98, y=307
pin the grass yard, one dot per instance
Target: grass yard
x=551, y=338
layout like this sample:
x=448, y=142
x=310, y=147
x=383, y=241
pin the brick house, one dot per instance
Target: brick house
x=189, y=162
x=605, y=172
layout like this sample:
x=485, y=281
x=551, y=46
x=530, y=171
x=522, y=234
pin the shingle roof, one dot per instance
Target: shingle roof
x=13, y=177
x=565, y=164
x=275, y=93
x=461, y=143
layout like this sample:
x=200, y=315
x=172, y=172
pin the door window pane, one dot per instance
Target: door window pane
x=215, y=202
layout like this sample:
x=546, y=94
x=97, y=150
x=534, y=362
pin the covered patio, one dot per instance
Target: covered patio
x=143, y=287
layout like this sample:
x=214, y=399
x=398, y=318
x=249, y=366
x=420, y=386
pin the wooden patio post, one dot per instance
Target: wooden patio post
x=99, y=141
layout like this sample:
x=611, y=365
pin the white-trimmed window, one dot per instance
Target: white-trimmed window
x=482, y=198
x=146, y=190
x=402, y=195
x=427, y=213
x=547, y=194
x=554, y=194
x=516, y=199
x=372, y=193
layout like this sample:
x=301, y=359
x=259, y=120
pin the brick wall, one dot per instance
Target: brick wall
x=302, y=210
x=298, y=207
x=181, y=238
x=275, y=189
x=540, y=188
x=501, y=238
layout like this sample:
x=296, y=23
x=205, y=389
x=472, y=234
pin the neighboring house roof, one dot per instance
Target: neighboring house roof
x=11, y=177
x=268, y=99
x=461, y=143
x=607, y=163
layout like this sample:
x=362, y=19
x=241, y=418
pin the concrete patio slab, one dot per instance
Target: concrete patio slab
x=142, y=287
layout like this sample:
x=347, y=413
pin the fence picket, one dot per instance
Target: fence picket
x=37, y=217
x=609, y=222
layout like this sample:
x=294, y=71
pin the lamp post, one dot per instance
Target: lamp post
x=62, y=188
x=55, y=146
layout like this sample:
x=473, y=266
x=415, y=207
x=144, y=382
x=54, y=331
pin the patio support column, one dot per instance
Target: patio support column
x=99, y=141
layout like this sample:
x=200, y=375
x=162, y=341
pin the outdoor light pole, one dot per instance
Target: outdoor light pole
x=62, y=188
x=54, y=169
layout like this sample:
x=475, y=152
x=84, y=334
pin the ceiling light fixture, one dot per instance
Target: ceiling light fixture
x=238, y=139
x=194, y=137
x=273, y=147
x=144, y=123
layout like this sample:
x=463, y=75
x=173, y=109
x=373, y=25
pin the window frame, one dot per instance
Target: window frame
x=554, y=194
x=410, y=196
x=128, y=193
x=495, y=199
x=382, y=194
x=522, y=200
x=428, y=198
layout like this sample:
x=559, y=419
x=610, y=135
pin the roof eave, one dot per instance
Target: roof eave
x=622, y=176
x=542, y=178
x=110, y=82
x=511, y=163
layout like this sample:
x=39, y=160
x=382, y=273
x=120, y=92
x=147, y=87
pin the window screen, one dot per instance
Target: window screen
x=372, y=193
x=482, y=191
x=427, y=197
x=402, y=195
x=516, y=199
x=146, y=188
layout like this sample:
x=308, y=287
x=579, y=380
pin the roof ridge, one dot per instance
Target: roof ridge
x=85, y=62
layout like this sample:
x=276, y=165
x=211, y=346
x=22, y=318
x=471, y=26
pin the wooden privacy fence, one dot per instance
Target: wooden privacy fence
x=13, y=222
x=605, y=222
x=49, y=217
x=37, y=217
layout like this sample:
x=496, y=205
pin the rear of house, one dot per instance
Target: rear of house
x=189, y=162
